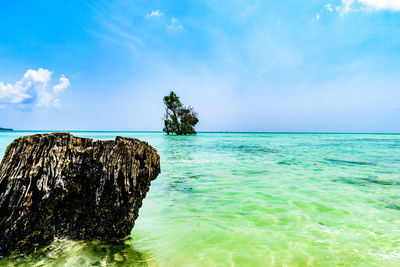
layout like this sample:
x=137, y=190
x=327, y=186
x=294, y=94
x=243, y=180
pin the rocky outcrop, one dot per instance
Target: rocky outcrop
x=61, y=186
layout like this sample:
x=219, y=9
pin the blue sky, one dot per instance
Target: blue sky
x=243, y=65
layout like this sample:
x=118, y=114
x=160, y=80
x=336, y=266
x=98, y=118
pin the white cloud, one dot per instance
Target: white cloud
x=346, y=7
x=356, y=5
x=63, y=84
x=317, y=17
x=175, y=24
x=329, y=7
x=40, y=75
x=33, y=89
x=154, y=13
x=382, y=4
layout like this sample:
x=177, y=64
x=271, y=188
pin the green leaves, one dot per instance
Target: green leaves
x=178, y=119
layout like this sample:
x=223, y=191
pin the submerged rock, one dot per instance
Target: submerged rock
x=61, y=186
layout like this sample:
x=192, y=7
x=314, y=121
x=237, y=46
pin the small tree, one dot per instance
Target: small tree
x=178, y=119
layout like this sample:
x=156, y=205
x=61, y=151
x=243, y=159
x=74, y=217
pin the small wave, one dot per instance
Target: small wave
x=351, y=162
x=368, y=180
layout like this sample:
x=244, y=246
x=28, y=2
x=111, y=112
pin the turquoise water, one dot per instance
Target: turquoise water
x=255, y=199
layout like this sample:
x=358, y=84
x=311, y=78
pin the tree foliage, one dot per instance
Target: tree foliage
x=178, y=119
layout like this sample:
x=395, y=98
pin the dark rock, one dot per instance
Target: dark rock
x=60, y=186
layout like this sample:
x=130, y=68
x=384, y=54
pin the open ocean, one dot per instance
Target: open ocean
x=255, y=199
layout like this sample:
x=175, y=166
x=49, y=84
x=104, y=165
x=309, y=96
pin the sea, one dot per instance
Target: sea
x=254, y=199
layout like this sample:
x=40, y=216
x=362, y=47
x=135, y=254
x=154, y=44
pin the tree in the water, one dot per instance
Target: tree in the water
x=178, y=119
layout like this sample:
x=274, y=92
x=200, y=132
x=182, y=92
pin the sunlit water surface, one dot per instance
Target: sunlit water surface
x=255, y=199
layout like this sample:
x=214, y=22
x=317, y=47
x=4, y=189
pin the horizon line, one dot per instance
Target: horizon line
x=260, y=132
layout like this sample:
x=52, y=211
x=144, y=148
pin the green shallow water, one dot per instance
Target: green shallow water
x=252, y=199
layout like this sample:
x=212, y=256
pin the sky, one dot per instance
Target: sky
x=244, y=65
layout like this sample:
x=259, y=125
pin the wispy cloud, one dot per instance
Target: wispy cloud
x=33, y=89
x=347, y=6
x=317, y=17
x=329, y=7
x=175, y=24
x=154, y=13
x=382, y=4
x=125, y=34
